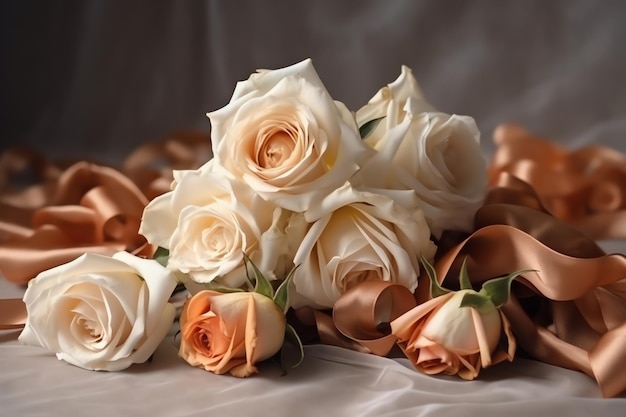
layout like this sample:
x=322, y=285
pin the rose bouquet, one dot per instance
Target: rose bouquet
x=299, y=183
x=315, y=223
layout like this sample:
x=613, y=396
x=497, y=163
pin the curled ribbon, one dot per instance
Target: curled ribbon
x=361, y=316
x=12, y=314
x=364, y=312
x=84, y=207
x=94, y=209
x=585, y=187
x=572, y=311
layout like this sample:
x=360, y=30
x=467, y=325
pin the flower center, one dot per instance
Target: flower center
x=92, y=327
x=276, y=149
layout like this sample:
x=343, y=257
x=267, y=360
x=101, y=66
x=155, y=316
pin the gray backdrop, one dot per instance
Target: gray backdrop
x=93, y=79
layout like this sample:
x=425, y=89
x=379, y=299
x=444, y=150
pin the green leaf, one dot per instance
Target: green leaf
x=291, y=338
x=282, y=292
x=499, y=289
x=368, y=127
x=161, y=255
x=261, y=284
x=221, y=288
x=464, y=280
x=475, y=300
x=435, y=289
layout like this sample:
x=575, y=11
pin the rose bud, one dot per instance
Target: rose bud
x=230, y=332
x=457, y=333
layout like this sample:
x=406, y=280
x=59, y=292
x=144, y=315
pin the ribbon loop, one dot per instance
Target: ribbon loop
x=364, y=312
x=12, y=314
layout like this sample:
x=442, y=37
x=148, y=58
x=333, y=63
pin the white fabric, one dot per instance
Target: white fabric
x=96, y=79
x=331, y=381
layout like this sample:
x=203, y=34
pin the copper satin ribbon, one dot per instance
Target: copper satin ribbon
x=360, y=318
x=84, y=207
x=585, y=187
x=12, y=314
x=571, y=313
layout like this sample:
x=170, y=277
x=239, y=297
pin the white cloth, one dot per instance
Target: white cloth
x=331, y=381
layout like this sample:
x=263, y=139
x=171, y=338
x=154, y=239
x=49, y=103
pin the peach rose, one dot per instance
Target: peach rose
x=230, y=332
x=442, y=337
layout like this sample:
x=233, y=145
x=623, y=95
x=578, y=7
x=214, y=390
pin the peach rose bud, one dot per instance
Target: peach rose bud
x=230, y=332
x=457, y=333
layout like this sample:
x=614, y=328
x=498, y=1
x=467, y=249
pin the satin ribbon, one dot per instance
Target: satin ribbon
x=12, y=314
x=572, y=311
x=84, y=207
x=585, y=187
x=94, y=209
x=360, y=318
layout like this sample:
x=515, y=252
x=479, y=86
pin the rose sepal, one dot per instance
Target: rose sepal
x=436, y=289
x=498, y=290
x=260, y=282
x=368, y=127
x=161, y=255
x=280, y=296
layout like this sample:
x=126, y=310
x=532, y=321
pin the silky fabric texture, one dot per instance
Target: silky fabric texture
x=330, y=381
x=101, y=79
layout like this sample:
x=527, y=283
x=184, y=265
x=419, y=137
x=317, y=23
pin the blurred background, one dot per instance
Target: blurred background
x=94, y=79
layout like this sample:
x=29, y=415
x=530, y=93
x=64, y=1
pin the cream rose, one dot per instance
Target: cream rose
x=280, y=242
x=357, y=236
x=100, y=313
x=230, y=332
x=208, y=222
x=436, y=154
x=388, y=103
x=284, y=136
x=160, y=216
x=441, y=337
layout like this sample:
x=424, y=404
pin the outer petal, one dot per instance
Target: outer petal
x=264, y=80
x=159, y=280
x=133, y=316
x=390, y=101
x=159, y=220
x=357, y=235
x=405, y=326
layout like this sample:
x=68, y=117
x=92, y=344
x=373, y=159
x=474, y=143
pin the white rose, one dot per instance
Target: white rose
x=388, y=103
x=100, y=313
x=208, y=222
x=160, y=216
x=280, y=242
x=358, y=236
x=285, y=137
x=436, y=154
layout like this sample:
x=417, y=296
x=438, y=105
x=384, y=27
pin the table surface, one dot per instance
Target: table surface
x=331, y=381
